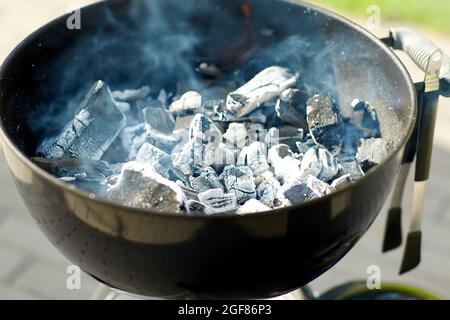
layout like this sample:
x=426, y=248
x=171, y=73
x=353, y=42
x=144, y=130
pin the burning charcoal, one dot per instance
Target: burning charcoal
x=204, y=180
x=372, y=152
x=132, y=138
x=285, y=165
x=350, y=166
x=324, y=121
x=267, y=191
x=196, y=207
x=204, y=131
x=239, y=134
x=160, y=161
x=291, y=108
x=265, y=86
x=311, y=165
x=319, y=187
x=252, y=206
x=191, y=194
x=75, y=169
x=293, y=192
x=160, y=140
x=208, y=70
x=302, y=189
x=254, y=156
x=159, y=119
x=217, y=201
x=140, y=187
x=239, y=180
x=220, y=157
x=190, y=158
x=330, y=167
x=95, y=127
x=366, y=118
x=188, y=102
x=131, y=95
x=341, y=182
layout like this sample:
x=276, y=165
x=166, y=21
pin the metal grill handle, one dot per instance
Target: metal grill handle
x=420, y=49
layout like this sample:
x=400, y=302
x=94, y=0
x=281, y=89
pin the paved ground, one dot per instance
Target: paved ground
x=30, y=268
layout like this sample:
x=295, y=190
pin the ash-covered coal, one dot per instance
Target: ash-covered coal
x=259, y=146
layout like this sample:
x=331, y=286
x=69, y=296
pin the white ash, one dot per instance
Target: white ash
x=284, y=163
x=252, y=206
x=131, y=95
x=189, y=101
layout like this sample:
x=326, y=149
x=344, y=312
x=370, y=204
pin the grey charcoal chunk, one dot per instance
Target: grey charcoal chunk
x=255, y=157
x=265, y=86
x=372, y=152
x=366, y=118
x=350, y=166
x=241, y=134
x=132, y=138
x=194, y=156
x=284, y=163
x=341, y=182
x=190, y=158
x=196, y=207
x=319, y=187
x=159, y=119
x=75, y=169
x=257, y=116
x=131, y=95
x=291, y=108
x=294, y=191
x=160, y=161
x=217, y=201
x=188, y=102
x=240, y=181
x=139, y=186
x=204, y=180
x=330, y=166
x=302, y=189
x=96, y=125
x=252, y=206
x=311, y=165
x=163, y=141
x=267, y=191
x=204, y=131
x=325, y=123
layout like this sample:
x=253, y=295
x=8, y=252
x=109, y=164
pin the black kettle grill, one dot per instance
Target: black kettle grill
x=253, y=256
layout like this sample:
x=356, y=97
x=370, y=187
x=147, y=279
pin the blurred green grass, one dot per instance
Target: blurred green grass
x=428, y=13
